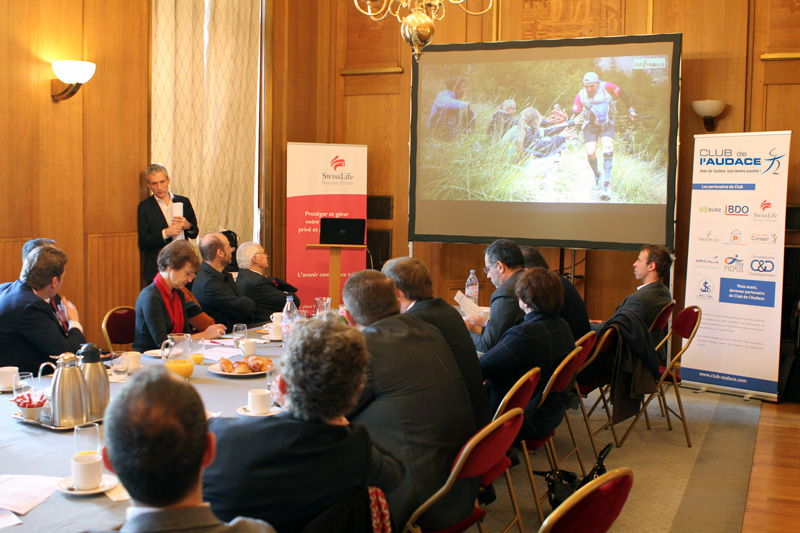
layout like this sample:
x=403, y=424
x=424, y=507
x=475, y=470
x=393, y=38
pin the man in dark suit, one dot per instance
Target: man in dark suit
x=30, y=330
x=215, y=289
x=574, y=310
x=504, y=265
x=269, y=294
x=164, y=481
x=414, y=403
x=161, y=220
x=415, y=294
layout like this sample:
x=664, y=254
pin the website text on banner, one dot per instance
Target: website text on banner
x=735, y=261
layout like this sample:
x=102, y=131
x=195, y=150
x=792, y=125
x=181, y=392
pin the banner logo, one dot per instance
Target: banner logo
x=705, y=289
x=736, y=236
x=765, y=205
x=762, y=265
x=733, y=264
x=737, y=210
x=709, y=237
x=773, y=161
x=706, y=209
x=337, y=163
x=766, y=238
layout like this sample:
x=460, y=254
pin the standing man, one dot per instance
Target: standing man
x=597, y=103
x=414, y=402
x=162, y=218
x=215, y=289
x=504, y=265
x=415, y=294
x=165, y=482
x=30, y=330
x=449, y=113
x=269, y=294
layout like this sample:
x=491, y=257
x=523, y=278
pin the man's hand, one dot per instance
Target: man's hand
x=71, y=310
x=173, y=231
x=182, y=222
x=475, y=323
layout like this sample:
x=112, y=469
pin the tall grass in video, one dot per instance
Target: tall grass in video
x=473, y=165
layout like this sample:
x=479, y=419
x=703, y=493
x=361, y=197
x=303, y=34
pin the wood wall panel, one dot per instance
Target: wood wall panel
x=11, y=257
x=113, y=264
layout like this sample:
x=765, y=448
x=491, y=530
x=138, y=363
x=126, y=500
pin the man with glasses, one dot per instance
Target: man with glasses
x=504, y=265
x=269, y=294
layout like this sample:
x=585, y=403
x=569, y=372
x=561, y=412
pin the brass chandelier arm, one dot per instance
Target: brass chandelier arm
x=460, y=3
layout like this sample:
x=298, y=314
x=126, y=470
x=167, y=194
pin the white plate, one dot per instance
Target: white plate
x=108, y=483
x=10, y=389
x=152, y=353
x=244, y=412
x=214, y=369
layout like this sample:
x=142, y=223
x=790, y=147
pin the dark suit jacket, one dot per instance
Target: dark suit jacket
x=287, y=471
x=574, y=310
x=152, y=319
x=220, y=298
x=265, y=293
x=150, y=223
x=647, y=302
x=504, y=314
x=448, y=321
x=199, y=519
x=415, y=404
x=29, y=330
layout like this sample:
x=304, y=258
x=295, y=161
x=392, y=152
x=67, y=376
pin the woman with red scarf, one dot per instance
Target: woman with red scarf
x=159, y=307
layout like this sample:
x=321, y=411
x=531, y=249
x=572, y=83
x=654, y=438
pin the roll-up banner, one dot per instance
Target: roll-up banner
x=322, y=180
x=735, y=261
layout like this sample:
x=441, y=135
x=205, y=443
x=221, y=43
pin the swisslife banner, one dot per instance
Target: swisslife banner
x=735, y=261
x=322, y=180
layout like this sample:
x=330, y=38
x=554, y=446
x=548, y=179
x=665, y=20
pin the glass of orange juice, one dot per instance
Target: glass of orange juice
x=197, y=351
x=87, y=439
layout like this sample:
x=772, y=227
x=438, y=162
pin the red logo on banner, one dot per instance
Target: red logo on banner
x=337, y=162
x=765, y=205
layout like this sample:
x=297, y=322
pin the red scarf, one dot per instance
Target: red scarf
x=173, y=303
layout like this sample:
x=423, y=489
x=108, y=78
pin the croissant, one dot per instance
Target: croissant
x=241, y=368
x=225, y=365
x=255, y=363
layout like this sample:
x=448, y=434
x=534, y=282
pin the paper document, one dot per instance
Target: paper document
x=7, y=518
x=177, y=211
x=22, y=493
x=470, y=308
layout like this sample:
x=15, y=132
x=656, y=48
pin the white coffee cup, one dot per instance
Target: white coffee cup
x=275, y=331
x=248, y=347
x=134, y=361
x=259, y=401
x=87, y=471
x=7, y=374
x=275, y=318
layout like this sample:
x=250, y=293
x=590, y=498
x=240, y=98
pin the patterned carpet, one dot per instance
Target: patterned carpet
x=675, y=488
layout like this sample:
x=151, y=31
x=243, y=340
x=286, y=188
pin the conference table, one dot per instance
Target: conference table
x=29, y=449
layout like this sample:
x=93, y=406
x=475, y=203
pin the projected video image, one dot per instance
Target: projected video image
x=554, y=130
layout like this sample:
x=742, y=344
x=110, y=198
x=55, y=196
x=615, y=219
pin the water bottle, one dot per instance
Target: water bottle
x=289, y=316
x=471, y=289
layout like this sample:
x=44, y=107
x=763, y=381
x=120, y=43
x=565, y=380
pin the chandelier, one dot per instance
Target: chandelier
x=415, y=16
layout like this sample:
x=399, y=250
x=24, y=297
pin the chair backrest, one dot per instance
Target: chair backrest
x=593, y=508
x=685, y=325
x=119, y=326
x=606, y=343
x=662, y=319
x=587, y=342
x=521, y=393
x=479, y=455
x=562, y=375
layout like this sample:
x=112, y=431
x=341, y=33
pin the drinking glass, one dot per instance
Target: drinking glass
x=323, y=304
x=119, y=366
x=239, y=333
x=197, y=351
x=87, y=439
x=24, y=384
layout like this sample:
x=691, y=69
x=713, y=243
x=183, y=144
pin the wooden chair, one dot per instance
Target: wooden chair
x=480, y=454
x=559, y=381
x=685, y=326
x=518, y=396
x=607, y=343
x=594, y=507
x=119, y=326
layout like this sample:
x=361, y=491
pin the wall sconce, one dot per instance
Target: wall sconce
x=708, y=109
x=71, y=75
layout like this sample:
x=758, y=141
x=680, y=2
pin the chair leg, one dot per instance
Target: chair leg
x=610, y=423
x=639, y=415
x=663, y=397
x=683, y=415
x=575, y=448
x=517, y=514
x=586, y=421
x=531, y=478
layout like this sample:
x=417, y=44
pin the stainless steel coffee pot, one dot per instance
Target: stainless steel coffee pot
x=96, y=380
x=69, y=398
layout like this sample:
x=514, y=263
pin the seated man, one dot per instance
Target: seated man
x=504, y=266
x=574, y=310
x=215, y=289
x=30, y=329
x=269, y=294
x=164, y=481
x=414, y=402
x=415, y=293
x=58, y=305
x=291, y=467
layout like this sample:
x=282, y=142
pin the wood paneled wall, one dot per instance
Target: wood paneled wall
x=722, y=45
x=72, y=167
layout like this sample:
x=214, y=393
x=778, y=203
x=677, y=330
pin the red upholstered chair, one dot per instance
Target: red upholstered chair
x=518, y=396
x=659, y=324
x=479, y=455
x=606, y=343
x=559, y=381
x=119, y=326
x=685, y=326
x=594, y=507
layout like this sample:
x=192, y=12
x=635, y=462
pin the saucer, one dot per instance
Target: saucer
x=10, y=389
x=108, y=482
x=244, y=412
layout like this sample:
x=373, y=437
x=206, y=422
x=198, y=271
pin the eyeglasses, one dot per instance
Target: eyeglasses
x=487, y=269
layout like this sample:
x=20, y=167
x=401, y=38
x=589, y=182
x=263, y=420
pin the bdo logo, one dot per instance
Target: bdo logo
x=737, y=210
